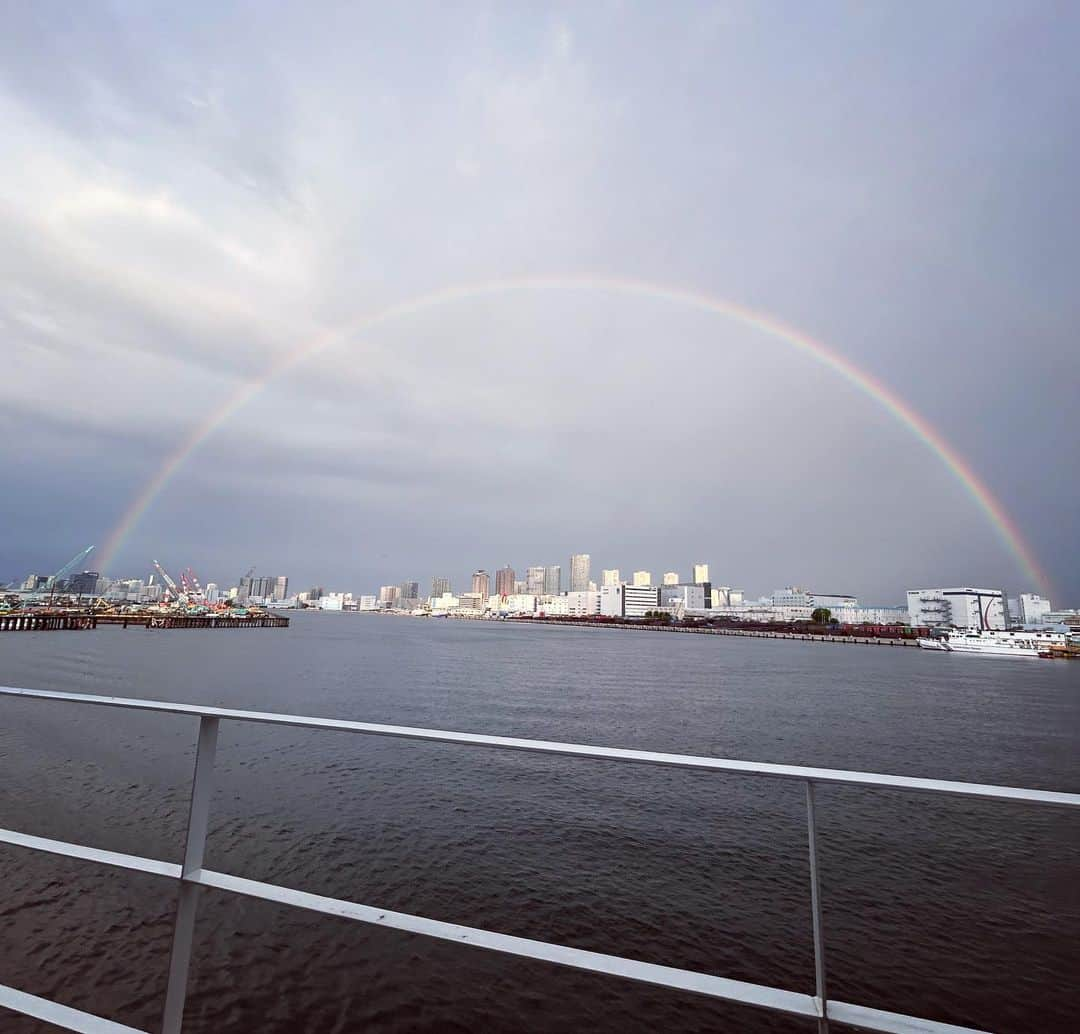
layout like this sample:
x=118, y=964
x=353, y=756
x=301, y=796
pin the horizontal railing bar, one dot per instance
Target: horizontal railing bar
x=577, y=958
x=91, y=854
x=756, y=768
x=758, y=995
x=60, y=1015
x=892, y=1022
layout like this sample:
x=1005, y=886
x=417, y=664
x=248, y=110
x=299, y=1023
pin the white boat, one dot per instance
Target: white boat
x=994, y=643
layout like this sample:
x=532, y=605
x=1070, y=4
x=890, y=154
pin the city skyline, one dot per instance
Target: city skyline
x=246, y=315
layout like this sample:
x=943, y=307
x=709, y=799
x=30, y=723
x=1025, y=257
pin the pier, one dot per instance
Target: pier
x=54, y=621
x=46, y=621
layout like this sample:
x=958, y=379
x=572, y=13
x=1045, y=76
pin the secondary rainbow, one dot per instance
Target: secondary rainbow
x=999, y=518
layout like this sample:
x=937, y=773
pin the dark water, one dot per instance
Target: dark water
x=961, y=911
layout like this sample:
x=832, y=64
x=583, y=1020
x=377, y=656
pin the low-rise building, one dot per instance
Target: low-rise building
x=1032, y=609
x=628, y=601
x=957, y=607
x=683, y=597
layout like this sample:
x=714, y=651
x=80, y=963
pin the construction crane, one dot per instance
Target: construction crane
x=174, y=589
x=194, y=581
x=70, y=566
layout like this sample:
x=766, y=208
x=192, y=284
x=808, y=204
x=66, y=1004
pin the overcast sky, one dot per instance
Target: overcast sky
x=188, y=192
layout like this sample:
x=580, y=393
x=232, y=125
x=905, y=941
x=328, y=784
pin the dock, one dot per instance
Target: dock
x=55, y=621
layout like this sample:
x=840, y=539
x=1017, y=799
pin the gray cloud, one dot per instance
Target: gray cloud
x=188, y=195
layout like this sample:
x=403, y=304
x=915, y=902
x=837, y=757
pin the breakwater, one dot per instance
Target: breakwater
x=816, y=637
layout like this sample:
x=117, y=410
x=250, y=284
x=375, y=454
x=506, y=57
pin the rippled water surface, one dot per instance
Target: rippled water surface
x=957, y=910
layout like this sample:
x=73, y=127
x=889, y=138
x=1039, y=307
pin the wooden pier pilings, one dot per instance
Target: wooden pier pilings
x=51, y=621
x=45, y=622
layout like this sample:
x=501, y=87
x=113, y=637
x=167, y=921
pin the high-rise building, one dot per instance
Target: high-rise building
x=579, y=572
x=534, y=581
x=388, y=595
x=671, y=577
x=642, y=579
x=281, y=587
x=439, y=586
x=212, y=594
x=504, y=581
x=552, y=580
x=481, y=584
x=701, y=574
x=610, y=577
x=84, y=583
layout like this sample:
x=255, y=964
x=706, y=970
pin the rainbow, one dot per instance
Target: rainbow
x=865, y=382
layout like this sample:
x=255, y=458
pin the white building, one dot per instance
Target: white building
x=671, y=577
x=958, y=607
x=447, y=601
x=368, y=603
x=583, y=604
x=554, y=607
x=610, y=577
x=642, y=578
x=700, y=574
x=628, y=601
x=871, y=615
x=515, y=603
x=1033, y=609
x=792, y=596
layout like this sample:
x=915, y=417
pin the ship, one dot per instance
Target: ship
x=995, y=643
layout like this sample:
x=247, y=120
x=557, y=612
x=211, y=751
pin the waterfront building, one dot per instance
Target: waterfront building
x=368, y=603
x=792, y=596
x=534, y=580
x=642, y=579
x=957, y=607
x=671, y=578
x=554, y=607
x=1033, y=609
x=552, y=580
x=439, y=586
x=447, y=601
x=610, y=577
x=871, y=615
x=579, y=572
x=281, y=587
x=687, y=597
x=504, y=581
x=212, y=594
x=481, y=583
x=581, y=604
x=628, y=601
x=513, y=603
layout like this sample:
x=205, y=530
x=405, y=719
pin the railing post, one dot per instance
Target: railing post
x=815, y=909
x=184, y=927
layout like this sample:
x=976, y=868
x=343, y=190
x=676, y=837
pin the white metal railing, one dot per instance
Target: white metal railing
x=192, y=877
